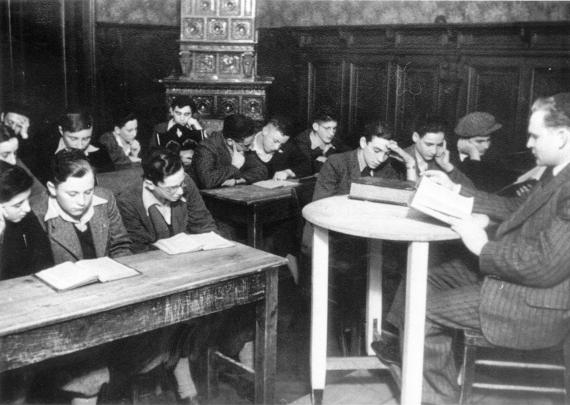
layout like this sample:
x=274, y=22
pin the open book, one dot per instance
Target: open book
x=391, y=191
x=68, y=275
x=439, y=202
x=274, y=183
x=528, y=178
x=184, y=243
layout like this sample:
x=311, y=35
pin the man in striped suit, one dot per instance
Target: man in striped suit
x=514, y=285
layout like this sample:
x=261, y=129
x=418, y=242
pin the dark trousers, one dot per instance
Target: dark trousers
x=453, y=299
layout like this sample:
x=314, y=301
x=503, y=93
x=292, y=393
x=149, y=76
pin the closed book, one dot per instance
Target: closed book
x=378, y=189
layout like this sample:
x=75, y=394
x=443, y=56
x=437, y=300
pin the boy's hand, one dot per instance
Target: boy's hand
x=238, y=158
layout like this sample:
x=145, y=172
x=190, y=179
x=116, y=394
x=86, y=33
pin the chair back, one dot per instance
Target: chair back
x=119, y=179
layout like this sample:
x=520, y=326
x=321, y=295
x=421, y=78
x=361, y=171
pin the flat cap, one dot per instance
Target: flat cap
x=477, y=124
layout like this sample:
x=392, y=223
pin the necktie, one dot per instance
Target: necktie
x=546, y=177
x=366, y=172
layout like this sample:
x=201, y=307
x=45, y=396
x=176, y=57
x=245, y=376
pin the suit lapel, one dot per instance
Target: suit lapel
x=99, y=225
x=62, y=233
x=143, y=214
x=538, y=197
x=354, y=167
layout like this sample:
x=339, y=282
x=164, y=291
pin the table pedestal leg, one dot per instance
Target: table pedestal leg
x=416, y=290
x=319, y=313
x=374, y=293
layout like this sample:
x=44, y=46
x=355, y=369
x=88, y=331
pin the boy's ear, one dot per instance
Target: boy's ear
x=148, y=184
x=60, y=129
x=415, y=137
x=315, y=126
x=51, y=188
x=362, y=142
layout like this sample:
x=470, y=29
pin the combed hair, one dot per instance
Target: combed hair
x=75, y=120
x=183, y=101
x=238, y=127
x=430, y=124
x=324, y=114
x=282, y=124
x=557, y=109
x=69, y=163
x=377, y=128
x=6, y=133
x=13, y=181
x=159, y=164
x=121, y=119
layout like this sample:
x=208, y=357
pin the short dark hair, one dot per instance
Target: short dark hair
x=75, y=120
x=69, y=163
x=177, y=147
x=282, y=124
x=6, y=133
x=557, y=109
x=13, y=181
x=324, y=114
x=238, y=127
x=121, y=118
x=183, y=101
x=377, y=128
x=16, y=108
x=160, y=163
x=430, y=124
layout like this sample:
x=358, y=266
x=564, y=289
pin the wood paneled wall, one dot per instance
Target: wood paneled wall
x=399, y=72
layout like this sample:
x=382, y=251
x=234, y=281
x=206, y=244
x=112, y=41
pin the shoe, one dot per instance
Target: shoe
x=387, y=349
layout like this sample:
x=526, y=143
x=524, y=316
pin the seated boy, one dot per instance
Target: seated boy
x=181, y=126
x=163, y=203
x=430, y=150
x=120, y=143
x=319, y=142
x=224, y=160
x=282, y=159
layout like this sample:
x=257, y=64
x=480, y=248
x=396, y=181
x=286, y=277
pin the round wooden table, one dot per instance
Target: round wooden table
x=377, y=222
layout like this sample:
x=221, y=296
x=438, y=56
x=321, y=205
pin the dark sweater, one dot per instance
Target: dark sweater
x=24, y=248
x=288, y=157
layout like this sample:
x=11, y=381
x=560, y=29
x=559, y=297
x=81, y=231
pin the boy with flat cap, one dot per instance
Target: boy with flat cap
x=474, y=131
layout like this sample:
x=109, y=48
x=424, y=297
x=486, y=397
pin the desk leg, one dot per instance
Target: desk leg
x=266, y=341
x=374, y=293
x=319, y=313
x=254, y=230
x=416, y=290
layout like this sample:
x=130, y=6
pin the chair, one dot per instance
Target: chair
x=542, y=367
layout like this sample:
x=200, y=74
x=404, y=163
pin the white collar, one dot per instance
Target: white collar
x=261, y=154
x=124, y=145
x=54, y=211
x=559, y=168
x=61, y=146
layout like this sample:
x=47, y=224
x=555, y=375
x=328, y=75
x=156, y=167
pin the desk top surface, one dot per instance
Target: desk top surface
x=28, y=303
x=249, y=194
x=375, y=220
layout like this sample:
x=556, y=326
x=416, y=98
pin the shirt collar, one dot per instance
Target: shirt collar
x=54, y=211
x=255, y=146
x=420, y=161
x=125, y=146
x=361, y=163
x=61, y=146
x=559, y=168
x=170, y=124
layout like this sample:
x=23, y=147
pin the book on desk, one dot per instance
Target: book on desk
x=185, y=243
x=68, y=275
x=378, y=189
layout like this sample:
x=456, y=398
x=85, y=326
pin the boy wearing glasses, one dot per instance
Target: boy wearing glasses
x=225, y=160
x=165, y=203
x=319, y=142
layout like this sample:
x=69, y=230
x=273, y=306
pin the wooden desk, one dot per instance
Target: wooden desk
x=374, y=221
x=38, y=323
x=254, y=206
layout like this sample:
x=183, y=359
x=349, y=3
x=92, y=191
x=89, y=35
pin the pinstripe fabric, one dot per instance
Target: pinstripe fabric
x=518, y=290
